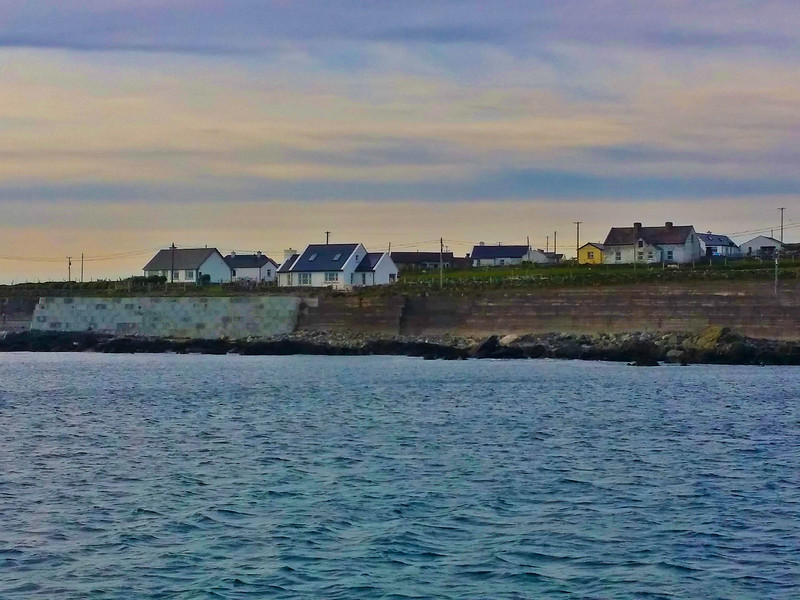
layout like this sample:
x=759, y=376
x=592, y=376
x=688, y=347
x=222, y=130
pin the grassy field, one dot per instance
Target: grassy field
x=411, y=282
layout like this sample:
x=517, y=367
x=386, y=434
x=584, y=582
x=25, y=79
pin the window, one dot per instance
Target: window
x=176, y=275
x=329, y=277
x=669, y=254
x=269, y=272
x=189, y=274
x=590, y=255
x=650, y=255
x=641, y=244
x=363, y=279
x=338, y=256
x=618, y=255
x=640, y=255
x=304, y=278
x=502, y=261
x=312, y=258
x=392, y=277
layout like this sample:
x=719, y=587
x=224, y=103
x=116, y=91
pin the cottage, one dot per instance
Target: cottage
x=712, y=244
x=761, y=246
x=497, y=256
x=591, y=254
x=422, y=260
x=256, y=267
x=337, y=265
x=189, y=265
x=637, y=244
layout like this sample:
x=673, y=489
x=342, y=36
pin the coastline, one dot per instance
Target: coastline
x=714, y=345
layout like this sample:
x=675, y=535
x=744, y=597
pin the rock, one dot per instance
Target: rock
x=507, y=340
x=675, y=355
x=486, y=347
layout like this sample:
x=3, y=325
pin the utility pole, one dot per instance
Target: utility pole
x=69, y=269
x=81, y=267
x=441, y=263
x=547, y=243
x=172, y=263
x=327, y=237
x=577, y=238
x=555, y=243
x=782, y=208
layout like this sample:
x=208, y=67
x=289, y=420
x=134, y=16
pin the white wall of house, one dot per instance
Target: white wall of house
x=717, y=250
x=536, y=256
x=335, y=279
x=265, y=273
x=684, y=253
x=385, y=272
x=753, y=247
x=495, y=262
x=216, y=267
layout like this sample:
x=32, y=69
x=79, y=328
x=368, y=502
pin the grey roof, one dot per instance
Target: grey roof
x=287, y=264
x=712, y=239
x=248, y=261
x=481, y=252
x=415, y=258
x=627, y=236
x=369, y=261
x=184, y=258
x=595, y=244
x=322, y=257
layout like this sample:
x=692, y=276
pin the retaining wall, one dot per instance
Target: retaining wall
x=193, y=317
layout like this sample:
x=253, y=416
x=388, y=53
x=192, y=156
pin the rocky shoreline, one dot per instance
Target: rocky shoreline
x=714, y=345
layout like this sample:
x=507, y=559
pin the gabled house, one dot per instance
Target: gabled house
x=591, y=254
x=712, y=244
x=189, y=265
x=256, y=267
x=337, y=265
x=422, y=260
x=637, y=244
x=761, y=246
x=496, y=256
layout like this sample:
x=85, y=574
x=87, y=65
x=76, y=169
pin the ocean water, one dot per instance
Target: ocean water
x=172, y=476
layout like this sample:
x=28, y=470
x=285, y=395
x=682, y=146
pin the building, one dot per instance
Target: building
x=337, y=265
x=497, y=256
x=189, y=265
x=761, y=246
x=712, y=244
x=590, y=254
x=422, y=260
x=667, y=244
x=257, y=267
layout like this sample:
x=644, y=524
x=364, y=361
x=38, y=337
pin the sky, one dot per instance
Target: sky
x=127, y=125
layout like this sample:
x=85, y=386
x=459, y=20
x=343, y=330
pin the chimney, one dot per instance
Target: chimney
x=668, y=224
x=258, y=254
x=233, y=254
x=288, y=253
x=481, y=244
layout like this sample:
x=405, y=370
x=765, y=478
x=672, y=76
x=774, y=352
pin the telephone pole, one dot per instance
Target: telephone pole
x=577, y=238
x=547, y=243
x=69, y=268
x=782, y=208
x=441, y=263
x=555, y=242
x=327, y=237
x=81, y=267
x=172, y=263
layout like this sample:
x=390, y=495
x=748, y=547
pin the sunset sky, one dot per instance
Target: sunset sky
x=126, y=125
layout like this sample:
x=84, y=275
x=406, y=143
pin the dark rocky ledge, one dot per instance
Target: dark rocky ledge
x=715, y=345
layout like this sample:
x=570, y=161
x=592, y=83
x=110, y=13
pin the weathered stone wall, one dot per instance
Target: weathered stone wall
x=199, y=317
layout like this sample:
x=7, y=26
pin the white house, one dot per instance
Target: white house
x=637, y=244
x=761, y=246
x=189, y=265
x=712, y=244
x=341, y=266
x=499, y=255
x=256, y=267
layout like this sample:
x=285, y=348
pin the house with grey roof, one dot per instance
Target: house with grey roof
x=189, y=265
x=422, y=260
x=647, y=245
x=713, y=244
x=256, y=268
x=340, y=266
x=761, y=246
x=496, y=256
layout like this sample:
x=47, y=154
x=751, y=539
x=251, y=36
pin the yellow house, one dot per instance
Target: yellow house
x=590, y=254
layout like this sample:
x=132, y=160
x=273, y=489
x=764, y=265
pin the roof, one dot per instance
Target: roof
x=595, y=244
x=481, y=252
x=184, y=258
x=287, y=264
x=666, y=234
x=369, y=261
x=712, y=239
x=412, y=258
x=248, y=261
x=322, y=257
x=762, y=237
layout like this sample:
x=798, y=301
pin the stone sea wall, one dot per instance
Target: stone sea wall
x=190, y=317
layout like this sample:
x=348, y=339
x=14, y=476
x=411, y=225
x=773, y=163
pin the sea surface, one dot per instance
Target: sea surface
x=166, y=476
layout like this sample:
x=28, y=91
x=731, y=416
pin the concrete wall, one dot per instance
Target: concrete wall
x=192, y=317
